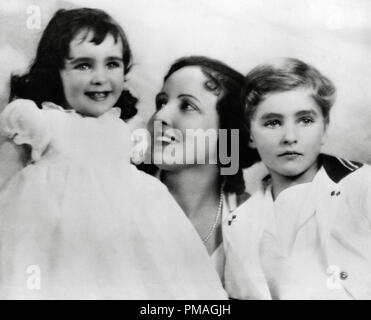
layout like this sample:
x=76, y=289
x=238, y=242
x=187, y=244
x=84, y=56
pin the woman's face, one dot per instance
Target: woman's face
x=185, y=126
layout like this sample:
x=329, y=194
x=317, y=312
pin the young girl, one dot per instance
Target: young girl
x=79, y=221
x=306, y=234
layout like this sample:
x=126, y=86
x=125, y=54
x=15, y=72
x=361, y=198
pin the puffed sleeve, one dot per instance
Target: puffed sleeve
x=24, y=123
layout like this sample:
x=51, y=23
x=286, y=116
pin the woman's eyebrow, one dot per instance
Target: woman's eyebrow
x=188, y=96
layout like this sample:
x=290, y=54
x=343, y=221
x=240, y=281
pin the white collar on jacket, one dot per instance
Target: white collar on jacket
x=244, y=277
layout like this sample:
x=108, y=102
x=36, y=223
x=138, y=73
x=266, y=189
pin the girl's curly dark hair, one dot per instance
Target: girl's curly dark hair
x=43, y=82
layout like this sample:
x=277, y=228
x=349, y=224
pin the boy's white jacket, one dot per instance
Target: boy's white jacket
x=343, y=213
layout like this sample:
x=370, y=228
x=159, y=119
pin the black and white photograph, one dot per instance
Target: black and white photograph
x=189, y=150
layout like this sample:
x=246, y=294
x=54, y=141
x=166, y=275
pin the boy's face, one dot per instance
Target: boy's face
x=288, y=131
x=93, y=75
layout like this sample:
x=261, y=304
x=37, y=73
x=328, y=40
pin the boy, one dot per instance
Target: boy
x=306, y=234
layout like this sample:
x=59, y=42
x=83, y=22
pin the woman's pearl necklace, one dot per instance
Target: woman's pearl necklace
x=218, y=212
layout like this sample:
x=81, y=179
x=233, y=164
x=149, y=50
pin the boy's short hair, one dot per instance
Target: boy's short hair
x=285, y=75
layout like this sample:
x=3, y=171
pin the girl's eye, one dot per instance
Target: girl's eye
x=306, y=121
x=83, y=66
x=272, y=124
x=113, y=65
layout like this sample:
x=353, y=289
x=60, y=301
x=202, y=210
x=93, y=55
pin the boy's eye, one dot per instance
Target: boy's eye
x=306, y=120
x=113, y=64
x=83, y=66
x=272, y=124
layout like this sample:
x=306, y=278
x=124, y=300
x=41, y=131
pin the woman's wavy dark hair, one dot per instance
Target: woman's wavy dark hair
x=226, y=83
x=43, y=81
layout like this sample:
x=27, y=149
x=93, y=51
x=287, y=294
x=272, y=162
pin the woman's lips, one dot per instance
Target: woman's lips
x=166, y=139
x=168, y=136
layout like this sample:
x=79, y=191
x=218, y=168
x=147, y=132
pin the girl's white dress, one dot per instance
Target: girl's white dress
x=79, y=221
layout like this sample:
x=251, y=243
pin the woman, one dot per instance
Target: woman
x=199, y=97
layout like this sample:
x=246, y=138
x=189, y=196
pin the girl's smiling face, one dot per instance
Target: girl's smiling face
x=288, y=130
x=184, y=106
x=93, y=75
